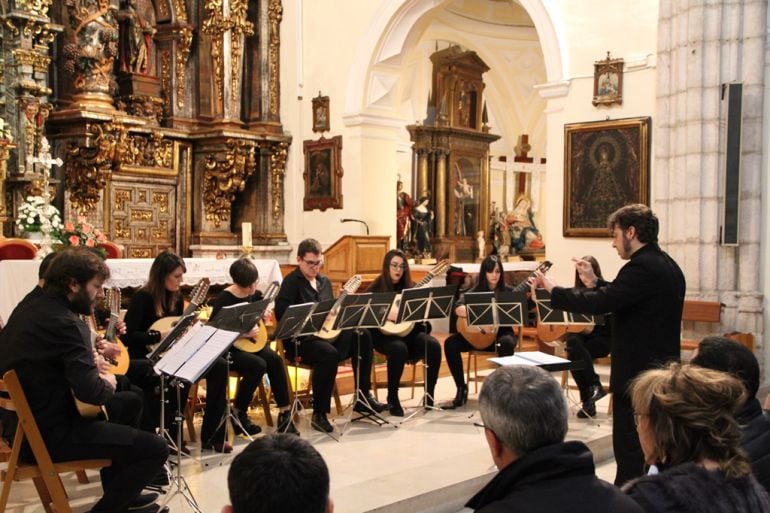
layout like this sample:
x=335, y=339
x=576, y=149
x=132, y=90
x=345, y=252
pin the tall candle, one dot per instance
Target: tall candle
x=246, y=234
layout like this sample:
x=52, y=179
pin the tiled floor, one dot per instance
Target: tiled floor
x=431, y=463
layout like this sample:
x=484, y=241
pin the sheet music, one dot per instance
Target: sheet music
x=529, y=358
x=214, y=343
x=174, y=357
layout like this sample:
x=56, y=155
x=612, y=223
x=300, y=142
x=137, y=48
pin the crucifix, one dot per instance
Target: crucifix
x=46, y=162
x=524, y=166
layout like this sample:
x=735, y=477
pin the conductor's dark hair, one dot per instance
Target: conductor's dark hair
x=243, y=272
x=640, y=217
x=279, y=473
x=308, y=246
x=78, y=265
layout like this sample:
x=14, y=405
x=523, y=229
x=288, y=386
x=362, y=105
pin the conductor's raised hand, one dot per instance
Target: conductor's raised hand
x=543, y=282
x=585, y=271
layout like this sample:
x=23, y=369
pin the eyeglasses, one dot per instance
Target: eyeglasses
x=313, y=263
x=397, y=266
x=480, y=425
x=637, y=416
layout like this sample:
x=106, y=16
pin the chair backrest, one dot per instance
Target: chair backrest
x=113, y=250
x=27, y=426
x=17, y=249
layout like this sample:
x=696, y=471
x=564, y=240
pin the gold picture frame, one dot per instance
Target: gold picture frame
x=323, y=173
x=320, y=113
x=608, y=81
x=606, y=166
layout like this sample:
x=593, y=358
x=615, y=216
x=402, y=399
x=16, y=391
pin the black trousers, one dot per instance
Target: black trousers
x=141, y=374
x=456, y=344
x=411, y=347
x=586, y=348
x=252, y=367
x=625, y=440
x=324, y=357
x=212, y=428
x=137, y=457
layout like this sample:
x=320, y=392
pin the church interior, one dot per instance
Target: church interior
x=512, y=127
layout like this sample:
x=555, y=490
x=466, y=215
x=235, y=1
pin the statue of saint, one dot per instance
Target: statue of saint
x=423, y=217
x=136, y=39
x=403, y=215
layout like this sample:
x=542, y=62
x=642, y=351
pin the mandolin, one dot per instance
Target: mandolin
x=326, y=332
x=197, y=297
x=87, y=410
x=481, y=337
x=120, y=364
x=256, y=344
x=402, y=328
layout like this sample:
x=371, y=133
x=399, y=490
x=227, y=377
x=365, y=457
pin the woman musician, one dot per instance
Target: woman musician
x=491, y=278
x=399, y=349
x=586, y=347
x=161, y=297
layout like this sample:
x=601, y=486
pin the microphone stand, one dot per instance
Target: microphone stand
x=356, y=221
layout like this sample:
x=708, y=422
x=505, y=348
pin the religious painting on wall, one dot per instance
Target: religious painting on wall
x=323, y=173
x=608, y=81
x=606, y=166
x=320, y=113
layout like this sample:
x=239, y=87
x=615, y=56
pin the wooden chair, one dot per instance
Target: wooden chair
x=45, y=473
x=699, y=311
x=304, y=394
x=113, y=250
x=17, y=249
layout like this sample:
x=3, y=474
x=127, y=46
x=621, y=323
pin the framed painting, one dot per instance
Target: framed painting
x=608, y=81
x=323, y=173
x=606, y=166
x=320, y=113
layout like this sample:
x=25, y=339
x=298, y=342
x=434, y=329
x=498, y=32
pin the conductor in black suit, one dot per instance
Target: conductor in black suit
x=646, y=300
x=49, y=347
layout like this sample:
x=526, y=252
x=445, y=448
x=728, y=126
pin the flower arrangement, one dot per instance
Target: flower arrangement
x=33, y=214
x=81, y=233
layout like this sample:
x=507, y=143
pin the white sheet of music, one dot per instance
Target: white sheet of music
x=176, y=355
x=213, y=342
x=528, y=358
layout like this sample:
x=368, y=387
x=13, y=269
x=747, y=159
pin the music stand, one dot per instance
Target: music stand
x=496, y=309
x=296, y=323
x=422, y=305
x=186, y=361
x=357, y=312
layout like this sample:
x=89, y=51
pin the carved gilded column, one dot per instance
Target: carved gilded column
x=277, y=175
x=275, y=14
x=422, y=172
x=5, y=215
x=484, y=205
x=440, y=193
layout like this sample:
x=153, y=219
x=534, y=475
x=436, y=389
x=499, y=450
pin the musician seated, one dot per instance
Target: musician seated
x=278, y=472
x=55, y=363
x=586, y=347
x=306, y=285
x=491, y=278
x=161, y=297
x=411, y=346
x=252, y=366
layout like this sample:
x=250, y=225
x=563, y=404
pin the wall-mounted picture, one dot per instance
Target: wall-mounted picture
x=608, y=81
x=606, y=166
x=320, y=113
x=323, y=173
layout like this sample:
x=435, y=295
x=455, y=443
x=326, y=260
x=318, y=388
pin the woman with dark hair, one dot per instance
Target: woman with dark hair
x=399, y=349
x=586, y=347
x=685, y=420
x=491, y=279
x=161, y=297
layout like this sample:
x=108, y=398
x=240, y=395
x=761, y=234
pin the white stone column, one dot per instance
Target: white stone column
x=702, y=45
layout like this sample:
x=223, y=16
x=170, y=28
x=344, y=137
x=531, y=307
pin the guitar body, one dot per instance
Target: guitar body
x=473, y=334
x=551, y=332
x=256, y=344
x=326, y=332
x=165, y=323
x=89, y=411
x=123, y=360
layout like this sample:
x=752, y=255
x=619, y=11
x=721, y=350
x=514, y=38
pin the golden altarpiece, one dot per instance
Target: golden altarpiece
x=166, y=114
x=452, y=154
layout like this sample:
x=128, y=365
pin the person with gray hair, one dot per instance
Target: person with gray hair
x=525, y=422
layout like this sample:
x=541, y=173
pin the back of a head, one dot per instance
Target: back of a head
x=279, y=473
x=73, y=265
x=45, y=263
x=524, y=407
x=726, y=355
x=690, y=412
x=243, y=272
x=640, y=217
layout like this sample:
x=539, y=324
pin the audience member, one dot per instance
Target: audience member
x=684, y=416
x=525, y=421
x=723, y=354
x=279, y=473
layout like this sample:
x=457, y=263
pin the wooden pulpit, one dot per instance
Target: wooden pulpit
x=355, y=254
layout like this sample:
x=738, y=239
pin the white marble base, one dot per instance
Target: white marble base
x=280, y=252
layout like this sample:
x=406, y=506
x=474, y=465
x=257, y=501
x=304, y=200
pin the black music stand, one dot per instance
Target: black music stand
x=188, y=358
x=296, y=322
x=546, y=314
x=496, y=309
x=422, y=305
x=357, y=312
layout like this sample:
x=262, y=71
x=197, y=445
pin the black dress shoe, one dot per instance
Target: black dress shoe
x=159, y=481
x=286, y=424
x=321, y=423
x=143, y=499
x=248, y=426
x=395, y=407
x=376, y=405
x=461, y=397
x=588, y=410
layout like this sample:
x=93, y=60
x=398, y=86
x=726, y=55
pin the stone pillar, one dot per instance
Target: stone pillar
x=702, y=45
x=440, y=193
x=422, y=172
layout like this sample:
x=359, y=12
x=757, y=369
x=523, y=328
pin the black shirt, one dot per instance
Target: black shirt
x=139, y=317
x=296, y=290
